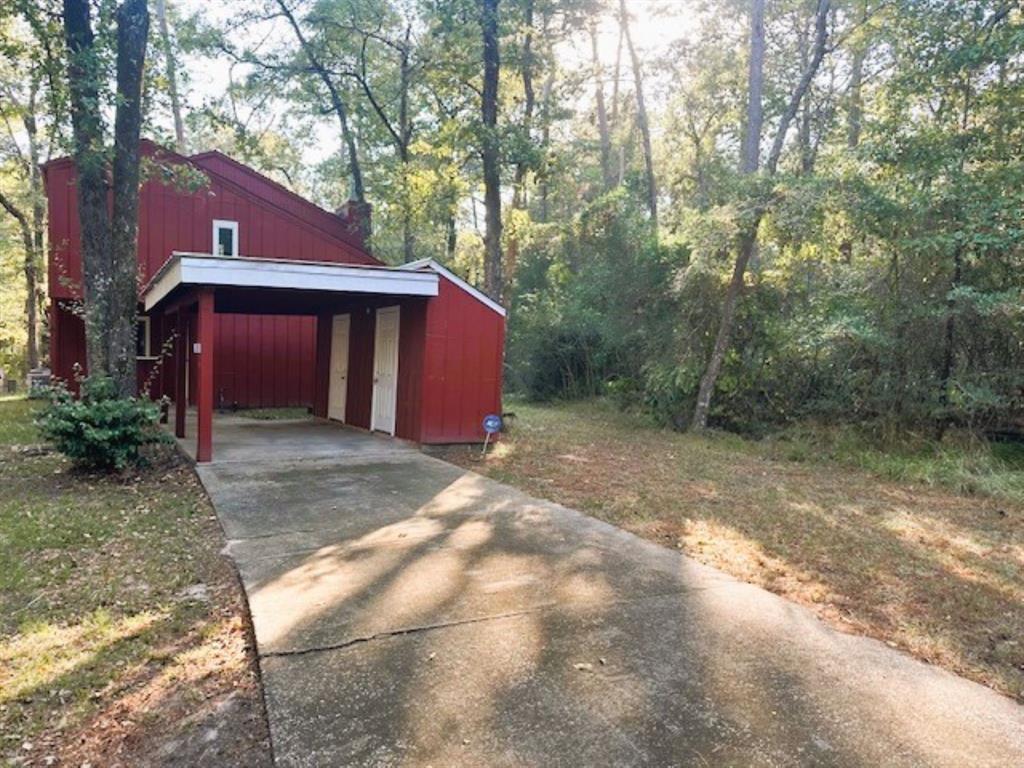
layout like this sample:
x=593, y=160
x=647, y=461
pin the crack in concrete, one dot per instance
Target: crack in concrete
x=417, y=629
x=405, y=631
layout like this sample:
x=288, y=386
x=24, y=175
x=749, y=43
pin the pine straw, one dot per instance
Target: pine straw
x=936, y=573
x=123, y=632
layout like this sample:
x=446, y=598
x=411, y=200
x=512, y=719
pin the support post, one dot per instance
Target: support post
x=180, y=363
x=203, y=355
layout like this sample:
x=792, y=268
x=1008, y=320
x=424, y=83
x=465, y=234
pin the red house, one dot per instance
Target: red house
x=251, y=296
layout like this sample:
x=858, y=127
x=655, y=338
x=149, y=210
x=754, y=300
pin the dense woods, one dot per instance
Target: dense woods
x=798, y=209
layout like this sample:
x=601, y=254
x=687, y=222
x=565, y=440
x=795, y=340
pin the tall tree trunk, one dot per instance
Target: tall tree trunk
x=545, y=127
x=109, y=253
x=751, y=157
x=854, y=121
x=855, y=109
x=804, y=128
x=604, y=137
x=641, y=117
x=949, y=342
x=490, y=151
x=405, y=137
x=616, y=75
x=30, y=220
x=171, y=71
x=544, y=212
x=529, y=101
x=750, y=164
x=132, y=34
x=451, y=238
x=35, y=261
x=949, y=347
x=31, y=277
x=87, y=128
x=519, y=195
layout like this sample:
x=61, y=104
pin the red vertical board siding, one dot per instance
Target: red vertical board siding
x=463, y=354
x=412, y=333
x=323, y=365
x=360, y=367
x=262, y=361
x=67, y=343
x=266, y=363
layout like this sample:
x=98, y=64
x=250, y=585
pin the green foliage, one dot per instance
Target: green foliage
x=590, y=305
x=886, y=287
x=963, y=463
x=97, y=429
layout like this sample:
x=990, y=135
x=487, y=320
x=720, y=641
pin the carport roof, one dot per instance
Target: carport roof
x=204, y=269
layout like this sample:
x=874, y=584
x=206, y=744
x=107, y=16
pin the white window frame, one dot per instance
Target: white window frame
x=147, y=348
x=224, y=224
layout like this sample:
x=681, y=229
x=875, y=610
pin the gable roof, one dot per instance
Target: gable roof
x=483, y=298
x=248, y=182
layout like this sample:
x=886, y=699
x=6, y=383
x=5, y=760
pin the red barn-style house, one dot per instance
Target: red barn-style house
x=251, y=296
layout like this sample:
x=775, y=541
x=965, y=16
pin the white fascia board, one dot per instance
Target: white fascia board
x=167, y=280
x=451, y=276
x=242, y=272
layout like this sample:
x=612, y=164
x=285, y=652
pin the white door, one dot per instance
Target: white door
x=385, y=371
x=337, y=390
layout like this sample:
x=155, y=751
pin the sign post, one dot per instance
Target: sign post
x=491, y=424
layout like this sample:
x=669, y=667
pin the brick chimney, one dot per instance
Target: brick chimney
x=357, y=219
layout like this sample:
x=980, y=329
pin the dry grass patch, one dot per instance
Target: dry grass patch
x=923, y=568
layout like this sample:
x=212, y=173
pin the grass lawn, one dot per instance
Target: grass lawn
x=123, y=635
x=925, y=568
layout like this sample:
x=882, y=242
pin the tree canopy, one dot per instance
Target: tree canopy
x=785, y=210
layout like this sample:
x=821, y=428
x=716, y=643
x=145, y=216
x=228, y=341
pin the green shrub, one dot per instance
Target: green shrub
x=97, y=429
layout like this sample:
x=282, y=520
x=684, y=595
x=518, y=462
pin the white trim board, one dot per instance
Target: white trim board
x=480, y=296
x=243, y=272
x=224, y=224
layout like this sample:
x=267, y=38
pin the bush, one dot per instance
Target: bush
x=98, y=429
x=590, y=303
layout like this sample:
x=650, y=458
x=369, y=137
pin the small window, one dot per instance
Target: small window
x=225, y=238
x=142, y=341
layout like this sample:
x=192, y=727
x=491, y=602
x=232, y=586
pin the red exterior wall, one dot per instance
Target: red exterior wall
x=450, y=347
x=272, y=222
x=262, y=361
x=280, y=375
x=67, y=341
x=462, y=366
x=412, y=331
x=358, y=399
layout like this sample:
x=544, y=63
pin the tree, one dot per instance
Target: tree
x=603, y=133
x=641, y=116
x=109, y=261
x=171, y=70
x=338, y=103
x=490, y=152
x=747, y=241
x=30, y=111
x=374, y=47
x=29, y=214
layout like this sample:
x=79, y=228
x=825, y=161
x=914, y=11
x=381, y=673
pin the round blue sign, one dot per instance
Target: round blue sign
x=492, y=423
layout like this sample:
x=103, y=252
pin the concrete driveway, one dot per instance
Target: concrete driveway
x=408, y=612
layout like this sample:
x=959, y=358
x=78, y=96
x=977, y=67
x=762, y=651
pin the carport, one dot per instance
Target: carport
x=410, y=351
